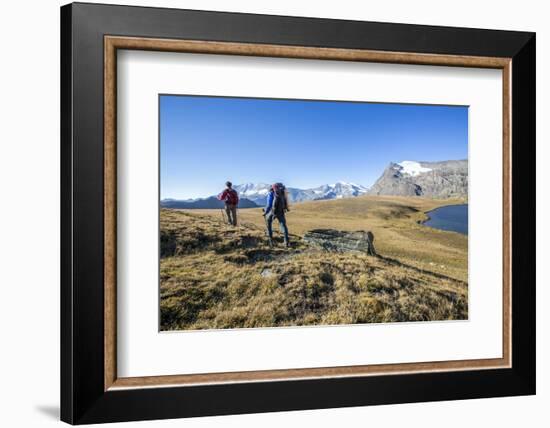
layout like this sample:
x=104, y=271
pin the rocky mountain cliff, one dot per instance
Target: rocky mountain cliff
x=443, y=179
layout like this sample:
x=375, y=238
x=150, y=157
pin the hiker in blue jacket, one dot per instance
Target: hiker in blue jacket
x=276, y=207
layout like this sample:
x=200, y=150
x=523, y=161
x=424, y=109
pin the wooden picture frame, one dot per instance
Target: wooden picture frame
x=91, y=390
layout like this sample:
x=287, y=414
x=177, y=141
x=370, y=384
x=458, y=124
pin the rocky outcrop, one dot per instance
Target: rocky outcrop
x=340, y=241
x=444, y=179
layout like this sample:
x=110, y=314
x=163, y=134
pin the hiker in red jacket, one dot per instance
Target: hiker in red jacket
x=231, y=199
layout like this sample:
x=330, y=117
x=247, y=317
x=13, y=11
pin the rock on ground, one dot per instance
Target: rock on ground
x=340, y=241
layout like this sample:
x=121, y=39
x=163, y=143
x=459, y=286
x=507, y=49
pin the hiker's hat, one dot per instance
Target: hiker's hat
x=228, y=183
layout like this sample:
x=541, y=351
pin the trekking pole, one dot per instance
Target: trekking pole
x=223, y=215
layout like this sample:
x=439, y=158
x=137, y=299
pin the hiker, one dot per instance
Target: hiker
x=277, y=205
x=231, y=199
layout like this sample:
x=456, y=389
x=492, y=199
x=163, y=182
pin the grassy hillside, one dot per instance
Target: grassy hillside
x=394, y=220
x=217, y=276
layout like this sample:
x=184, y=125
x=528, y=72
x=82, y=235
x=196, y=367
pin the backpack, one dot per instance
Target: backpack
x=232, y=197
x=280, y=204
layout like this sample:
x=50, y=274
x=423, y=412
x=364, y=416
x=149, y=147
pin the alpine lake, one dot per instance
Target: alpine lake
x=452, y=218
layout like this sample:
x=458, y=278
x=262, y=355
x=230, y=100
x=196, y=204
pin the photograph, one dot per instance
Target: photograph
x=287, y=212
x=268, y=210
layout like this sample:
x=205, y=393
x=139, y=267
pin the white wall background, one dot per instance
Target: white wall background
x=29, y=214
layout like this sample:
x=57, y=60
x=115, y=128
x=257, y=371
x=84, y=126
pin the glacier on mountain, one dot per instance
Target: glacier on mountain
x=412, y=168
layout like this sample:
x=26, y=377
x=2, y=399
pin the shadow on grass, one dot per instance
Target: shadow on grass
x=395, y=262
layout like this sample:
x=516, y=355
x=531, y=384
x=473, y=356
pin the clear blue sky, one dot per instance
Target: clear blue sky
x=205, y=141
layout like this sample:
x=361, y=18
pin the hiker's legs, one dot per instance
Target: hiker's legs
x=269, y=224
x=284, y=228
x=228, y=213
x=234, y=215
x=231, y=211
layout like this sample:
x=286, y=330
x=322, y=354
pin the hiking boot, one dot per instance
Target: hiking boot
x=287, y=244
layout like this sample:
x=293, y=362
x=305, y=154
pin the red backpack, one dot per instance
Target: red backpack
x=232, y=197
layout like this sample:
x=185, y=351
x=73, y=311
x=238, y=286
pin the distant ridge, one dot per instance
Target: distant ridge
x=207, y=203
x=253, y=195
x=444, y=179
x=341, y=189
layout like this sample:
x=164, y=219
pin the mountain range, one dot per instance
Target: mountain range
x=443, y=179
x=258, y=192
x=254, y=195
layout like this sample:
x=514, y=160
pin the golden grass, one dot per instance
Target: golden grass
x=217, y=276
x=394, y=221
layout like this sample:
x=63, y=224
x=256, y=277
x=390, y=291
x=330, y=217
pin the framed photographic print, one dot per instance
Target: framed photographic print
x=266, y=213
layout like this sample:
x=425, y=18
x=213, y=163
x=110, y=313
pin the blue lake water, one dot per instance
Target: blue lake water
x=450, y=217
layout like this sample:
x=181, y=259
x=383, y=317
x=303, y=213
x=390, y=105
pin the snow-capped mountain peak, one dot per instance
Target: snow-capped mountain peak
x=347, y=185
x=251, y=189
x=341, y=189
